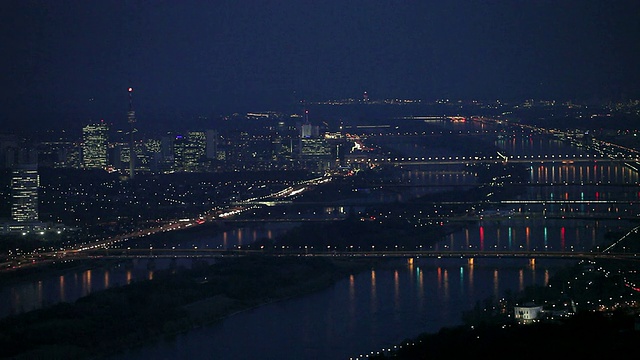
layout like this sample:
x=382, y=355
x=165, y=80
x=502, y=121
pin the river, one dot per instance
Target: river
x=371, y=311
x=379, y=308
x=365, y=312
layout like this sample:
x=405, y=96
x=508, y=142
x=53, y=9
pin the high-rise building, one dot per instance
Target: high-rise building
x=315, y=154
x=24, y=193
x=120, y=156
x=94, y=146
x=58, y=154
x=195, y=151
x=167, y=157
x=153, y=154
x=307, y=130
x=212, y=144
x=179, y=150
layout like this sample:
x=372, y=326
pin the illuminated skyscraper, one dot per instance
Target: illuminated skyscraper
x=314, y=147
x=94, y=146
x=195, y=151
x=24, y=193
x=179, y=149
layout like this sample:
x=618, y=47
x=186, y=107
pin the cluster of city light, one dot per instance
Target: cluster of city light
x=289, y=192
x=187, y=222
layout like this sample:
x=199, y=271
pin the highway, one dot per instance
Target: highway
x=221, y=213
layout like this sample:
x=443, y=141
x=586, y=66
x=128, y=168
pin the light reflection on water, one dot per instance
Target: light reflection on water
x=48, y=290
x=515, y=234
x=365, y=311
x=604, y=173
x=29, y=295
x=531, y=234
x=369, y=310
x=228, y=239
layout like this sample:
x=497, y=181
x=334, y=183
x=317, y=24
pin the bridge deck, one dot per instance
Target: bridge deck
x=467, y=254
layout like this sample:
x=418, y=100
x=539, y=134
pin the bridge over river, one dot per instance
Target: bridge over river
x=463, y=254
x=500, y=158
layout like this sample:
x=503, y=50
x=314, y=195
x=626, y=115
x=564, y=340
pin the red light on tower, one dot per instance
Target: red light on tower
x=130, y=89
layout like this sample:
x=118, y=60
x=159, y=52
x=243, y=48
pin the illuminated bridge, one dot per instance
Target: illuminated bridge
x=464, y=254
x=499, y=158
x=356, y=202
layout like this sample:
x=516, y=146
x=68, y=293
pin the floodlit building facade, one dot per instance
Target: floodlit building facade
x=527, y=313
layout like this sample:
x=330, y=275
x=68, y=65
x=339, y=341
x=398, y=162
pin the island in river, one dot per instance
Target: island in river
x=174, y=301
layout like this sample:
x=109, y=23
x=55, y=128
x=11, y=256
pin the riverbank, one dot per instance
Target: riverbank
x=589, y=335
x=602, y=316
x=125, y=317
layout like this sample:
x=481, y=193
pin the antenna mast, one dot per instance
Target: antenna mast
x=131, y=115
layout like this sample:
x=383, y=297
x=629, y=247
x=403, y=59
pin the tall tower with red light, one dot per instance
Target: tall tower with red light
x=131, y=116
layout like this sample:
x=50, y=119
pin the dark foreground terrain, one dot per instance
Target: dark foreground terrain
x=587, y=335
x=175, y=301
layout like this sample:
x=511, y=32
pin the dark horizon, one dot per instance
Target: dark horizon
x=73, y=62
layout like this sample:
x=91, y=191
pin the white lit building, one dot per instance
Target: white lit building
x=528, y=313
x=195, y=150
x=94, y=146
x=24, y=193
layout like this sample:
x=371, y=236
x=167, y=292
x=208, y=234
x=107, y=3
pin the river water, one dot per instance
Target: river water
x=377, y=309
x=365, y=312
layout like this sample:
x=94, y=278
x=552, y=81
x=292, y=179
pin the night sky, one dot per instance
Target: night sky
x=69, y=62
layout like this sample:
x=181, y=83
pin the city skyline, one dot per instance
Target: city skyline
x=73, y=62
x=464, y=208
